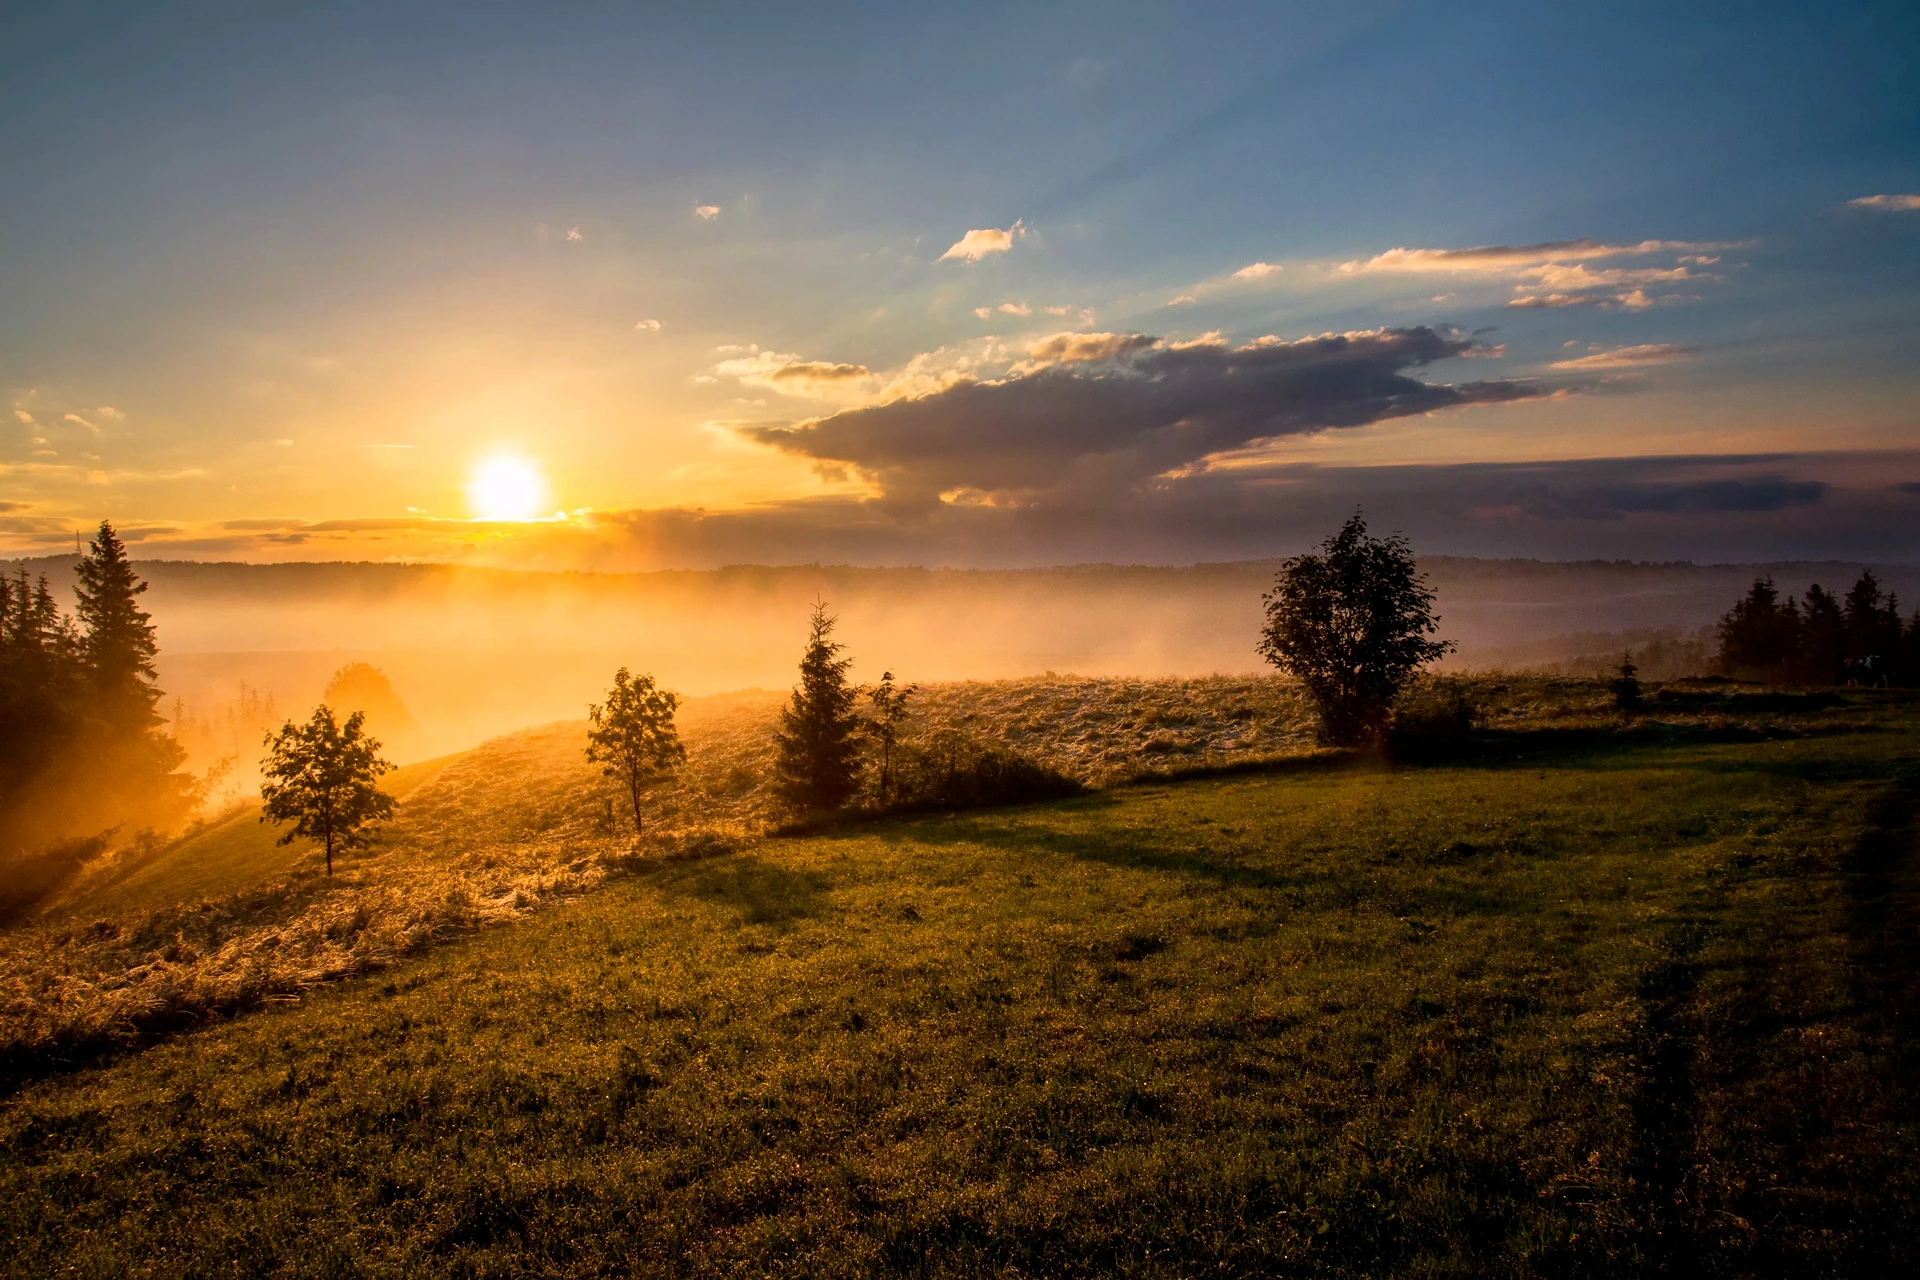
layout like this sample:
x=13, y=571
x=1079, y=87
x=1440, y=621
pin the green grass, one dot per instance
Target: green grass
x=233, y=854
x=1612, y=1008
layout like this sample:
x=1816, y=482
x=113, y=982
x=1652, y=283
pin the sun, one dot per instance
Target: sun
x=506, y=488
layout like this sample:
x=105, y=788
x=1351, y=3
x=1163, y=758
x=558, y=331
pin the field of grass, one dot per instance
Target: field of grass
x=1592, y=998
x=234, y=853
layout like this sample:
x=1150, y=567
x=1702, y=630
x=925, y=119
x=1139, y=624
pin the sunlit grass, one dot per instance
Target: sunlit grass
x=1609, y=1008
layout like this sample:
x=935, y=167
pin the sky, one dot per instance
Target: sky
x=639, y=286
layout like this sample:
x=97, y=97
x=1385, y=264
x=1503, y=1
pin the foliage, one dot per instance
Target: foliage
x=1431, y=719
x=953, y=770
x=817, y=768
x=1824, y=640
x=361, y=686
x=632, y=736
x=885, y=723
x=1351, y=623
x=321, y=777
x=1633, y=1009
x=1625, y=685
x=81, y=751
x=117, y=644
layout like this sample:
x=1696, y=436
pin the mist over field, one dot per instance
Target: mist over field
x=477, y=652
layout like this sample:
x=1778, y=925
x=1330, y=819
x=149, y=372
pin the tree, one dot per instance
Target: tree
x=818, y=765
x=632, y=736
x=1873, y=620
x=360, y=686
x=321, y=777
x=883, y=725
x=1760, y=636
x=1823, y=638
x=117, y=643
x=1625, y=684
x=1352, y=624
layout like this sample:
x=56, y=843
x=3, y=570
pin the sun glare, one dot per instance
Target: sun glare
x=506, y=488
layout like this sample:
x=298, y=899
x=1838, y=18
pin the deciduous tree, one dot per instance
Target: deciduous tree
x=322, y=777
x=632, y=737
x=1352, y=622
x=889, y=714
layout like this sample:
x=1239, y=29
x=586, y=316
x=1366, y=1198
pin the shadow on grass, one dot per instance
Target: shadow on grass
x=759, y=891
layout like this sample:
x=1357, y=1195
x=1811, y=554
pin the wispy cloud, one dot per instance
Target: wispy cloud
x=1904, y=203
x=789, y=374
x=574, y=236
x=1628, y=357
x=707, y=211
x=647, y=326
x=977, y=244
x=1497, y=258
x=1255, y=271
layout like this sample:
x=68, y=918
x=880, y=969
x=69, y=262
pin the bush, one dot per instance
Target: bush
x=1430, y=719
x=952, y=770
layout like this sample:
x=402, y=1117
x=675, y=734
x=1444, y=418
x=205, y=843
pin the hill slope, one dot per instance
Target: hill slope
x=1594, y=1005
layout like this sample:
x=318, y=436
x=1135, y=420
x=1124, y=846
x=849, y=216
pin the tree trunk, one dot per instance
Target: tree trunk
x=329, y=853
x=633, y=786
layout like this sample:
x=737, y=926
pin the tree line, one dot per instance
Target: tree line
x=1858, y=638
x=81, y=744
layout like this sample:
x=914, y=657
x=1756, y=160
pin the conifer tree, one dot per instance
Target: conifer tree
x=117, y=644
x=818, y=766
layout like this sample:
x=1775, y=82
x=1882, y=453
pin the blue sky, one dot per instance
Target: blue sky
x=274, y=284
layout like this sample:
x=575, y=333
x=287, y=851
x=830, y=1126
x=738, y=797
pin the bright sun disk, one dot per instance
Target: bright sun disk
x=506, y=488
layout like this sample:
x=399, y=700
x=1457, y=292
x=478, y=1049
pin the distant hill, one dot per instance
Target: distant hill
x=474, y=652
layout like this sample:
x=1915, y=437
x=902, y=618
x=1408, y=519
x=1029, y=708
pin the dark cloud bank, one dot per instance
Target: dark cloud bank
x=1104, y=413
x=1708, y=509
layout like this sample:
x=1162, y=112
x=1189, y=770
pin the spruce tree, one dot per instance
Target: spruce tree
x=818, y=766
x=117, y=644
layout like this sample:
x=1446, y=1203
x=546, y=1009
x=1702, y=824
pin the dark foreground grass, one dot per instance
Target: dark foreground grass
x=1616, y=1009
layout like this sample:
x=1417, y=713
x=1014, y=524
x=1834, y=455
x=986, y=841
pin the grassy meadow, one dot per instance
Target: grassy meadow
x=1588, y=996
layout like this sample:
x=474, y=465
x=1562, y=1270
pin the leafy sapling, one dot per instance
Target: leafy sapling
x=884, y=725
x=321, y=776
x=632, y=737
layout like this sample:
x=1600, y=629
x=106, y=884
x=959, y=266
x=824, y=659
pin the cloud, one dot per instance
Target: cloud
x=1556, y=273
x=1255, y=271
x=574, y=236
x=1906, y=203
x=1616, y=501
x=1183, y=300
x=1506, y=257
x=1108, y=412
x=112, y=414
x=789, y=374
x=985, y=313
x=647, y=326
x=1015, y=309
x=976, y=245
x=707, y=211
x=1628, y=357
